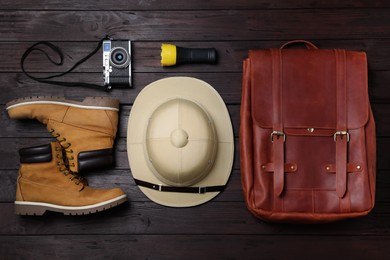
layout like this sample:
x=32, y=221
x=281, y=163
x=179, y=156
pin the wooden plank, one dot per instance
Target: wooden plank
x=201, y=5
x=12, y=161
x=120, y=147
x=382, y=119
x=108, y=178
x=210, y=218
x=13, y=86
x=147, y=55
x=228, y=85
x=195, y=247
x=32, y=128
x=219, y=25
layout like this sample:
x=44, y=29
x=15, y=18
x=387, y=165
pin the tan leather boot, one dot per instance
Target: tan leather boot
x=46, y=184
x=86, y=130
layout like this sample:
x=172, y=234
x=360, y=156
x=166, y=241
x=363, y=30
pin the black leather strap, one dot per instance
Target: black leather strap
x=95, y=159
x=58, y=51
x=36, y=154
x=199, y=190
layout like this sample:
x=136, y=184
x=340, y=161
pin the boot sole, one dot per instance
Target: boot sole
x=102, y=103
x=39, y=208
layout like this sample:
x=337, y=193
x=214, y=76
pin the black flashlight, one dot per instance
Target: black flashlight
x=172, y=55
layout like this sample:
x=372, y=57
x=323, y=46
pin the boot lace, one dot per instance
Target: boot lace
x=62, y=167
x=65, y=145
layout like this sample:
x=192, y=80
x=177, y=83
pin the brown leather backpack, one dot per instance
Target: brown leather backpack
x=307, y=135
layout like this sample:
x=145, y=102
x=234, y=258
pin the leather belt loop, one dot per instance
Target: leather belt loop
x=342, y=135
x=279, y=138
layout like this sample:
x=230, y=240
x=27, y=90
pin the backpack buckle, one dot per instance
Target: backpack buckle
x=341, y=133
x=278, y=134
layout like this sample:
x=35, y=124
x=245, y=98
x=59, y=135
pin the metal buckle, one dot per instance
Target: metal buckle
x=341, y=133
x=159, y=187
x=278, y=134
x=202, y=190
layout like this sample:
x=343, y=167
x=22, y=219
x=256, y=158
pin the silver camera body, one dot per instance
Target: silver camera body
x=117, y=63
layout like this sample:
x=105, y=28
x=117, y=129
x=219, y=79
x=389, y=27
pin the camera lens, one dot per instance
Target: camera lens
x=119, y=57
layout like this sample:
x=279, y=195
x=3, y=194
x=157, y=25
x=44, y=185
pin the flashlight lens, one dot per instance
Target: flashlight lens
x=168, y=54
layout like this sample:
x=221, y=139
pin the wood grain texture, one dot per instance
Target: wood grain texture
x=194, y=247
x=146, y=55
x=32, y=128
x=147, y=5
x=206, y=26
x=222, y=228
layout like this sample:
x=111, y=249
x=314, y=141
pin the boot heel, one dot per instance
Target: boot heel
x=30, y=210
x=95, y=159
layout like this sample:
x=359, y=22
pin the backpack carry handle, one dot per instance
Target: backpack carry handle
x=308, y=44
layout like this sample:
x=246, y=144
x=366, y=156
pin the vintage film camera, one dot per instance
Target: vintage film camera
x=117, y=63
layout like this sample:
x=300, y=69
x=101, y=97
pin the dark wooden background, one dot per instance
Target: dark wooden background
x=222, y=228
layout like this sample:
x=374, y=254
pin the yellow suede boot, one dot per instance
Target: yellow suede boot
x=46, y=184
x=86, y=130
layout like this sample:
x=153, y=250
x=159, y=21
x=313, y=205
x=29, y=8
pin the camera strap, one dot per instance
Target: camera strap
x=57, y=50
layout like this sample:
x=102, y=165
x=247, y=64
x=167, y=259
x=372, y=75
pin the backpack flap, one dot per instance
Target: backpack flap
x=309, y=91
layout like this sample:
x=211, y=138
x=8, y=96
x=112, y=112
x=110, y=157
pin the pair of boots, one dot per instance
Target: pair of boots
x=48, y=175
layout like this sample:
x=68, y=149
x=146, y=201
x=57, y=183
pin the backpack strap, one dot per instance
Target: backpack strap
x=277, y=137
x=341, y=137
